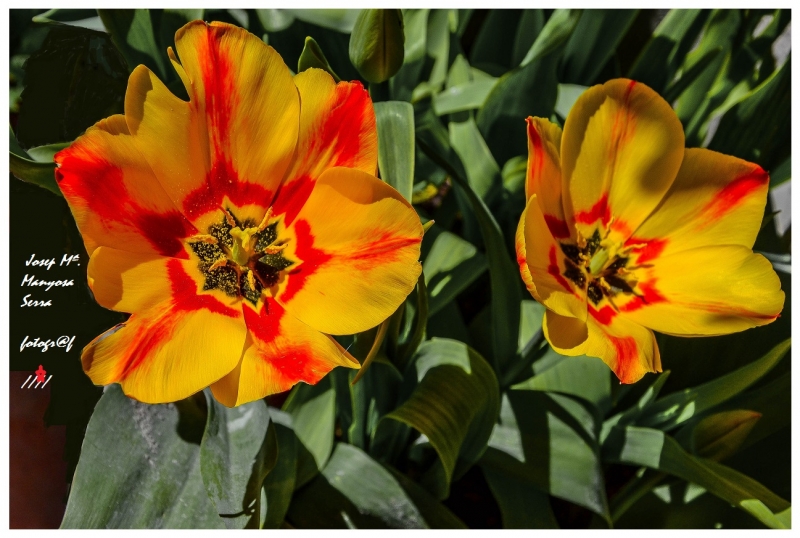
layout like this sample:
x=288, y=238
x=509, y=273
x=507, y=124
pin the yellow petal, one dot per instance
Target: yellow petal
x=337, y=128
x=565, y=334
x=544, y=173
x=522, y=260
x=620, y=152
x=358, y=243
x=547, y=266
x=174, y=348
x=708, y=291
x=131, y=282
x=280, y=351
x=114, y=196
x=715, y=200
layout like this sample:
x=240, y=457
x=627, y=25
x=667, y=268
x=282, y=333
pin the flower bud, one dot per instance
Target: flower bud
x=376, y=44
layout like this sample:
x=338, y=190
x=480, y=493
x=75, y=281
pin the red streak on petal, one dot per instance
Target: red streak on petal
x=153, y=332
x=627, y=357
x=604, y=316
x=292, y=196
x=734, y=193
x=311, y=257
x=91, y=181
x=599, y=211
x=554, y=270
x=218, y=86
x=223, y=181
x=650, y=250
x=344, y=126
x=536, y=162
x=649, y=296
x=185, y=297
x=386, y=248
x=557, y=227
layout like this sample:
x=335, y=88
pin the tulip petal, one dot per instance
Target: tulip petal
x=522, y=259
x=621, y=150
x=708, y=291
x=544, y=173
x=337, y=128
x=279, y=352
x=547, y=265
x=233, y=142
x=114, y=196
x=358, y=243
x=715, y=200
x=629, y=349
x=155, y=354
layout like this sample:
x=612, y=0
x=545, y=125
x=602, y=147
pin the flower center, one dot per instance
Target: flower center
x=600, y=267
x=240, y=258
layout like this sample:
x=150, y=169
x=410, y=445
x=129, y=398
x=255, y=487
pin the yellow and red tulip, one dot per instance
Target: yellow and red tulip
x=239, y=229
x=626, y=232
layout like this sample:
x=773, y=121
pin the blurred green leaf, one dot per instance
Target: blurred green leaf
x=677, y=87
x=722, y=434
x=781, y=173
x=355, y=491
x=465, y=96
x=132, y=32
x=140, y=468
x=654, y=449
x=450, y=266
x=280, y=482
x=522, y=505
x=541, y=443
x=36, y=165
x=414, y=53
x=493, y=48
x=395, y=121
x=630, y=415
x=530, y=25
x=313, y=412
x=238, y=450
x=376, y=44
x=312, y=56
x=483, y=173
x=554, y=34
x=74, y=80
x=567, y=95
x=83, y=18
x=676, y=408
x=593, y=42
x=454, y=404
x=274, y=20
x=585, y=377
x=341, y=20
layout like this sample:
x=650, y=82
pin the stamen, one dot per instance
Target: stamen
x=275, y=248
x=265, y=220
x=228, y=217
x=203, y=238
x=221, y=262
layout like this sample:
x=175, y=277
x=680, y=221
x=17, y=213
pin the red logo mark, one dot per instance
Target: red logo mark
x=40, y=373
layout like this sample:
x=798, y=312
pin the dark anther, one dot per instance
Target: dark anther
x=223, y=278
x=592, y=244
x=276, y=261
x=575, y=274
x=619, y=284
x=266, y=237
x=207, y=252
x=594, y=292
x=221, y=232
x=249, y=293
x=571, y=251
x=618, y=264
x=268, y=275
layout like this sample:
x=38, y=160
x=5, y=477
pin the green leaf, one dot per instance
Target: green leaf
x=275, y=20
x=541, y=443
x=313, y=411
x=454, y=404
x=587, y=378
x=630, y=415
x=236, y=454
x=416, y=25
x=465, y=96
x=522, y=505
x=654, y=449
x=132, y=32
x=722, y=434
x=594, y=40
x=530, y=26
x=395, y=121
x=341, y=20
x=483, y=173
x=781, y=173
x=140, y=468
x=312, y=56
x=74, y=80
x=676, y=408
x=83, y=18
x=36, y=165
x=450, y=266
x=677, y=87
x=355, y=491
x=567, y=95
x=376, y=44
x=280, y=482
x=555, y=33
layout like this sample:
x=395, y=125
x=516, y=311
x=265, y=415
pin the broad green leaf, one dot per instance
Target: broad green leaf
x=74, y=80
x=395, y=120
x=236, y=454
x=312, y=56
x=437, y=43
x=504, y=275
x=275, y=20
x=83, y=18
x=313, y=411
x=132, y=32
x=140, y=468
x=280, y=482
x=555, y=33
x=530, y=26
x=722, y=434
x=585, y=377
x=522, y=505
x=781, y=173
x=593, y=42
x=567, y=95
x=376, y=44
x=676, y=408
x=654, y=449
x=416, y=28
x=419, y=321
x=341, y=20
x=530, y=322
x=514, y=172
x=355, y=491
x=35, y=165
x=454, y=404
x=483, y=173
x=655, y=65
x=677, y=87
x=541, y=443
x=493, y=48
x=450, y=266
x=465, y=96
x=630, y=415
